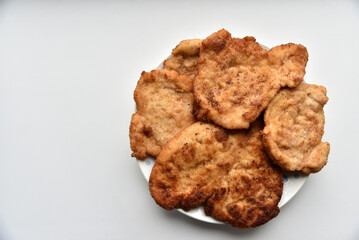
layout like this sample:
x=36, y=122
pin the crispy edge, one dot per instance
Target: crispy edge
x=294, y=58
x=138, y=129
x=317, y=159
x=160, y=192
x=189, y=47
x=184, y=57
x=256, y=216
x=170, y=200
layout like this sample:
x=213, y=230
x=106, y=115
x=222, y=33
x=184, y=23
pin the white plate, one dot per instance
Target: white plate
x=292, y=182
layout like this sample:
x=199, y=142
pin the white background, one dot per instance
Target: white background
x=67, y=74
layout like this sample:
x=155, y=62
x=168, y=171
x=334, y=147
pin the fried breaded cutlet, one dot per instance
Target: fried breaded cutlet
x=294, y=126
x=225, y=170
x=237, y=78
x=164, y=101
x=184, y=59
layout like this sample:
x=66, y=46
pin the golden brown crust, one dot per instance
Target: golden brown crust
x=294, y=126
x=227, y=171
x=184, y=59
x=164, y=102
x=237, y=78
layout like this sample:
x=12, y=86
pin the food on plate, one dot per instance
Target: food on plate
x=294, y=126
x=202, y=118
x=184, y=59
x=227, y=171
x=237, y=78
x=164, y=101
